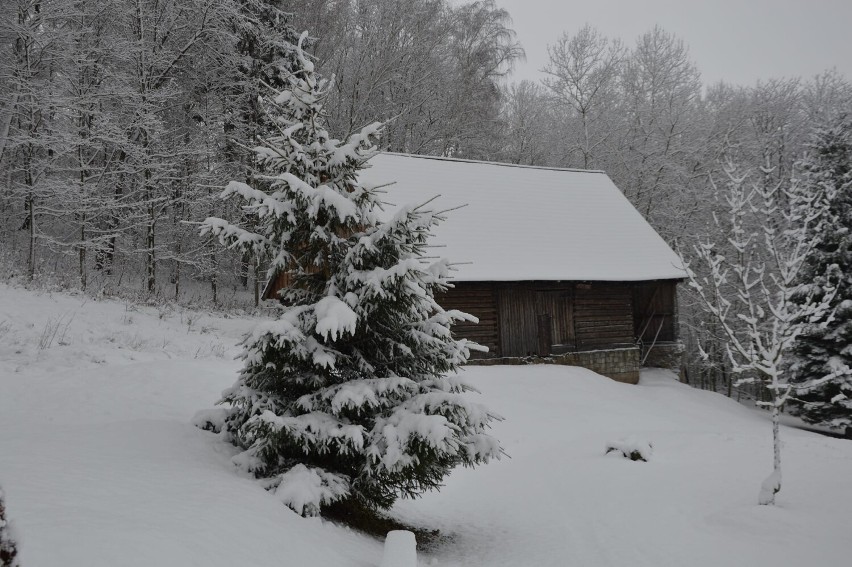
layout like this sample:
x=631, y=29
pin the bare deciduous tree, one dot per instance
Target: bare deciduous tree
x=750, y=284
x=582, y=75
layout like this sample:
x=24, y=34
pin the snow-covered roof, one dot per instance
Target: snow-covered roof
x=528, y=223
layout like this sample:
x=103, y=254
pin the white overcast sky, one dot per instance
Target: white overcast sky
x=736, y=41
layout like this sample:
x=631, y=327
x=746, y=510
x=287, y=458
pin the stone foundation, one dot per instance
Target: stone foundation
x=621, y=364
x=668, y=355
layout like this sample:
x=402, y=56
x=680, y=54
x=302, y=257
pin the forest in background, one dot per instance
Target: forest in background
x=121, y=120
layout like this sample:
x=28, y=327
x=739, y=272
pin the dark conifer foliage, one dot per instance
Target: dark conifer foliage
x=350, y=393
x=823, y=364
x=8, y=547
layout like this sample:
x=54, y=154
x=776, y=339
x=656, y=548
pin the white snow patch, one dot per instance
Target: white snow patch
x=581, y=206
x=101, y=465
x=305, y=489
x=334, y=318
x=400, y=549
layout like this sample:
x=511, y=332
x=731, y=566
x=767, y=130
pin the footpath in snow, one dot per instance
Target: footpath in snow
x=101, y=466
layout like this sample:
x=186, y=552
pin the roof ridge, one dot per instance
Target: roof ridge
x=502, y=164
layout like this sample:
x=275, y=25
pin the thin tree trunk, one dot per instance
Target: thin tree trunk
x=177, y=268
x=83, y=252
x=82, y=216
x=6, y=124
x=257, y=284
x=150, y=257
x=214, y=280
x=245, y=266
x=150, y=234
x=772, y=485
x=776, y=439
x=32, y=222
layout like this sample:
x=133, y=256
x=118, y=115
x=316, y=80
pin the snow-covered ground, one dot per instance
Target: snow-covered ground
x=100, y=465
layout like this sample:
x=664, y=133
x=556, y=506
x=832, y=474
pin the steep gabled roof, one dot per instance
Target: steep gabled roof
x=528, y=223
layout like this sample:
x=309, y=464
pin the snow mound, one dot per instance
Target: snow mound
x=769, y=488
x=210, y=419
x=631, y=448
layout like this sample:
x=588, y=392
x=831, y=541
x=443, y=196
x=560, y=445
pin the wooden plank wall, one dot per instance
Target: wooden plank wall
x=603, y=315
x=283, y=279
x=582, y=316
x=480, y=300
x=279, y=282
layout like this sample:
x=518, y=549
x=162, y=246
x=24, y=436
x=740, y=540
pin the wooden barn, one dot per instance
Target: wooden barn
x=557, y=264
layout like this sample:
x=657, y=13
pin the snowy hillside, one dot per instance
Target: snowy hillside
x=101, y=466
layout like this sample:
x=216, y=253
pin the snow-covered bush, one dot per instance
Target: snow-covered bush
x=350, y=392
x=8, y=547
x=631, y=448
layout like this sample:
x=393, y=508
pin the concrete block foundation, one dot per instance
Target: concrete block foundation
x=620, y=364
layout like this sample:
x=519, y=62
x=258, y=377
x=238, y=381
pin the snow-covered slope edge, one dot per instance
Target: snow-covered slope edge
x=101, y=467
x=560, y=501
x=99, y=460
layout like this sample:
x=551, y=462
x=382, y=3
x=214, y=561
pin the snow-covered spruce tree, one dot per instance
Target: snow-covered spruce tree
x=750, y=284
x=8, y=548
x=822, y=366
x=350, y=393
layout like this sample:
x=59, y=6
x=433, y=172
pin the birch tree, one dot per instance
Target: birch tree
x=751, y=286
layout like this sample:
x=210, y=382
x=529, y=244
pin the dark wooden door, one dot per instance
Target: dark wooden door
x=558, y=305
x=534, y=320
x=518, y=321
